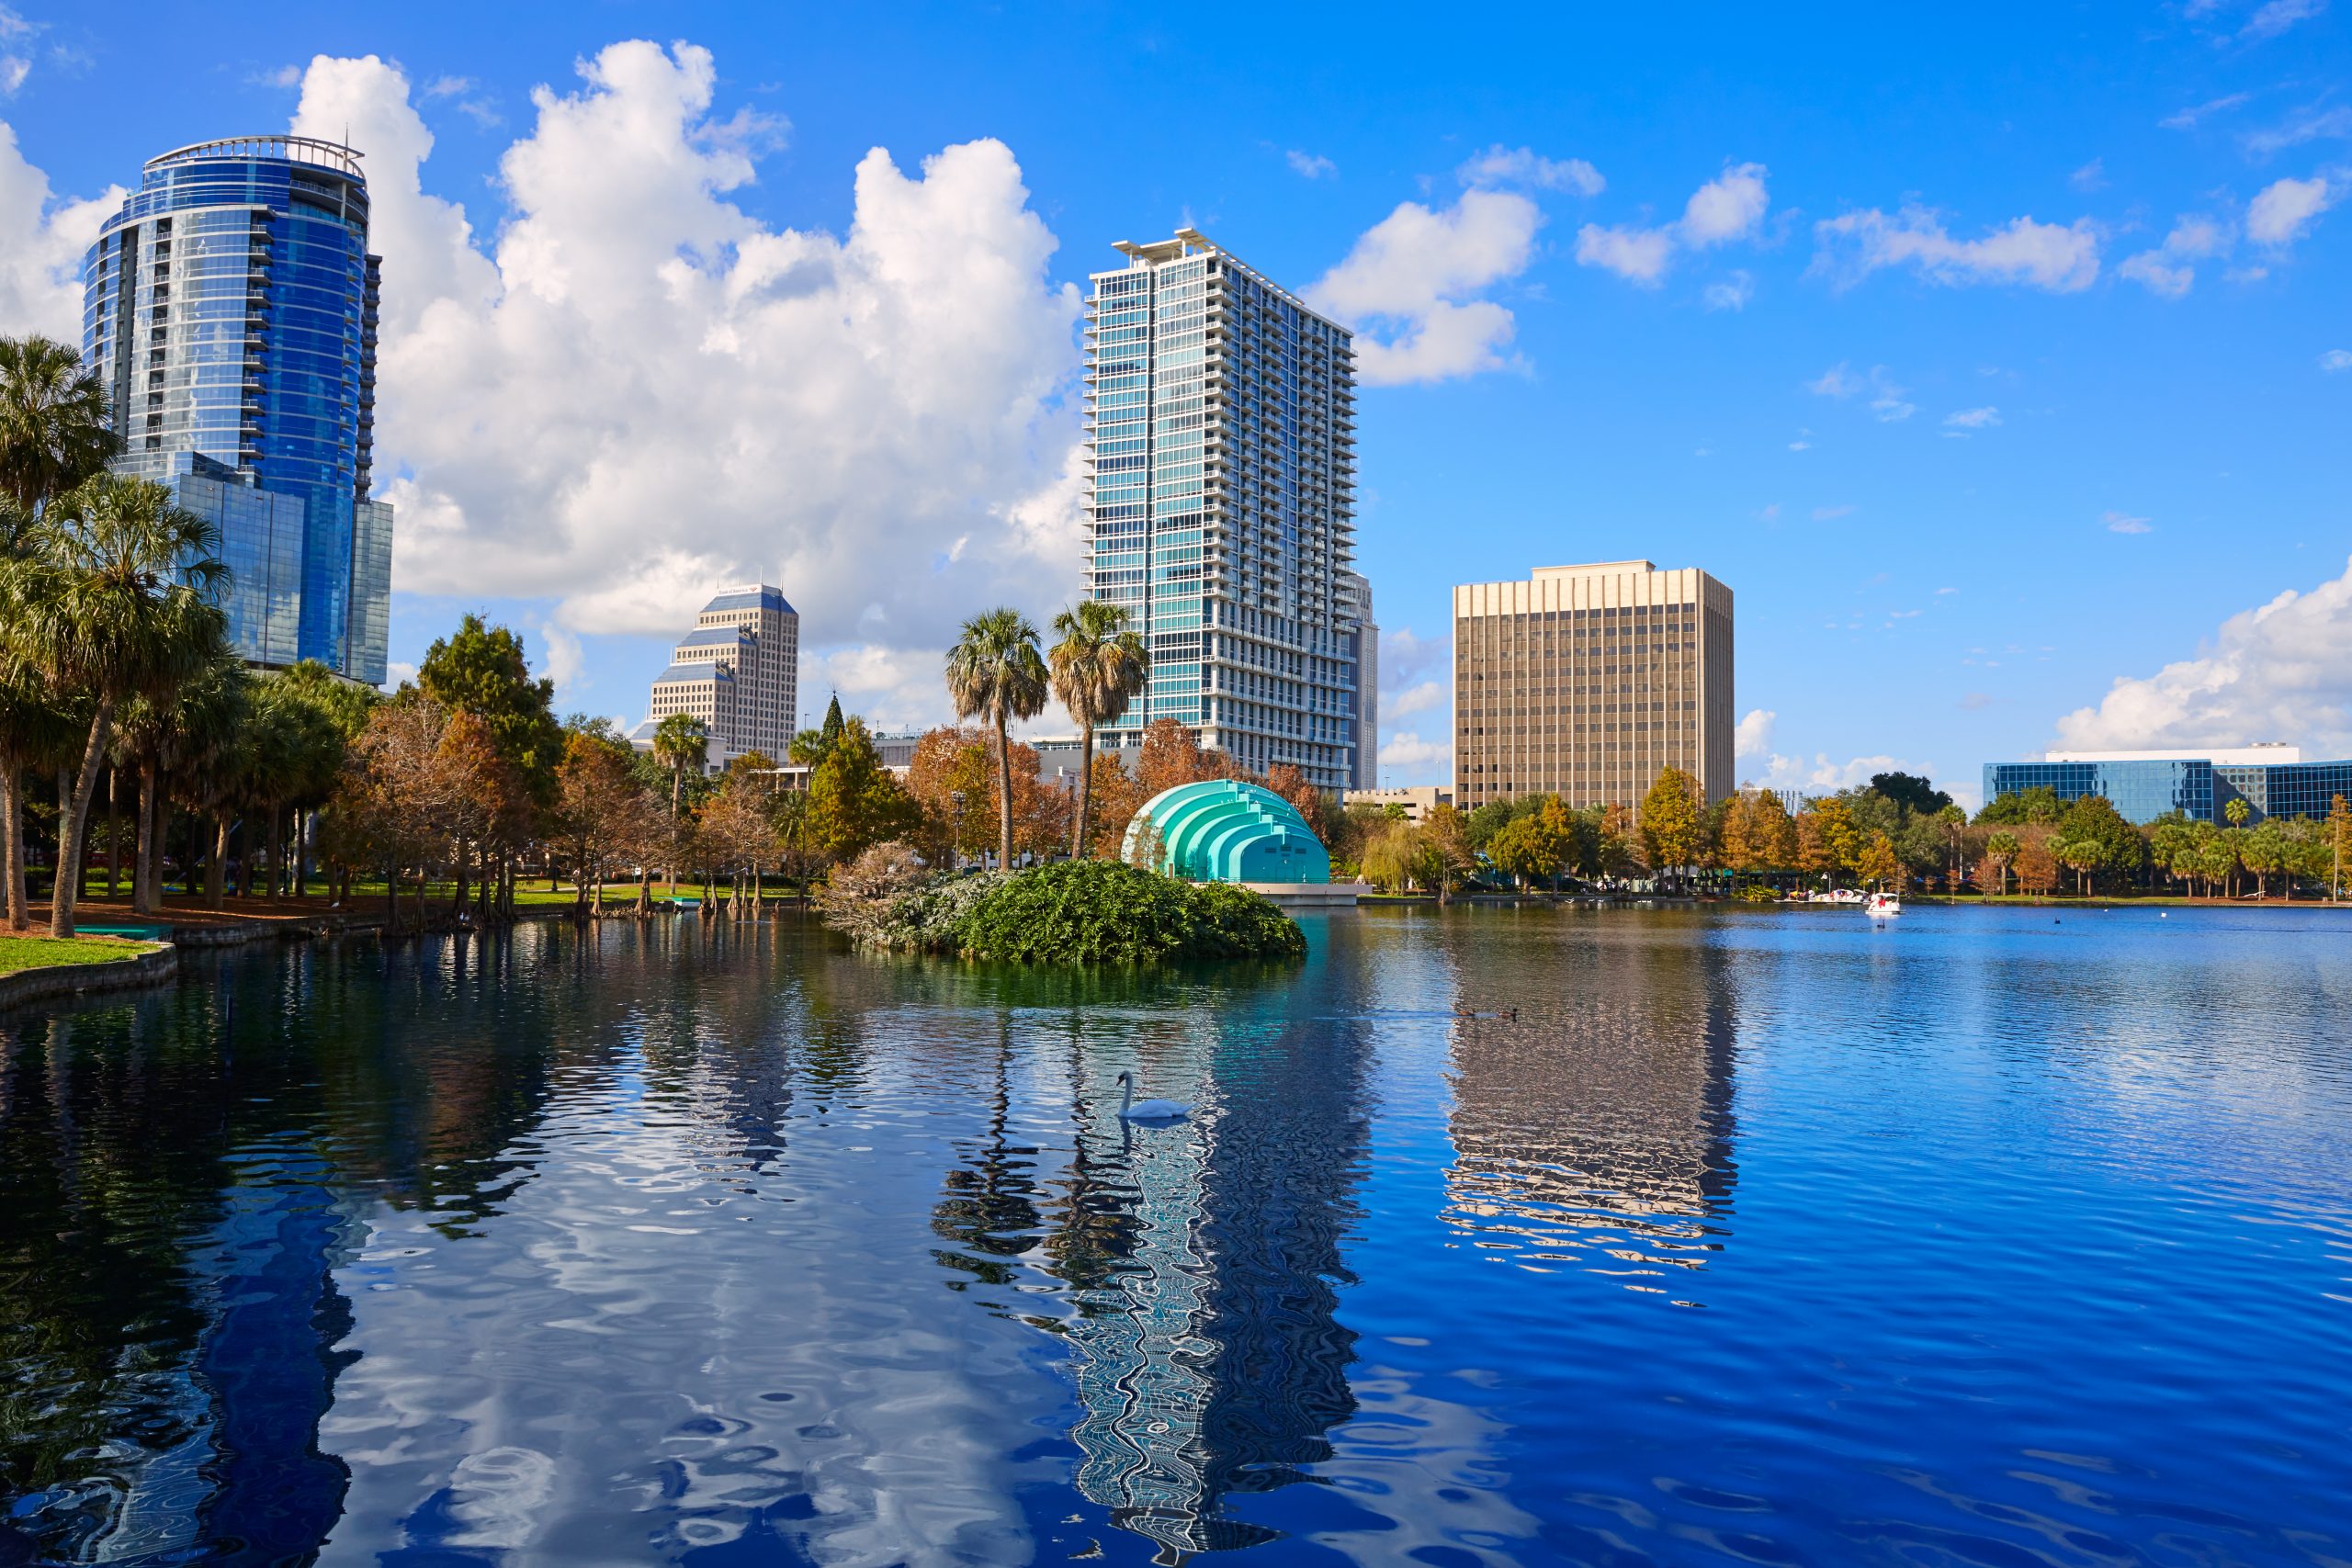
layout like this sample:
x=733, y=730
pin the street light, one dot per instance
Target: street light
x=956, y=845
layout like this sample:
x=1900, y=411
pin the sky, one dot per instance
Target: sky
x=2003, y=370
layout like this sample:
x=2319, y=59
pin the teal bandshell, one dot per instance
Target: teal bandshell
x=1225, y=831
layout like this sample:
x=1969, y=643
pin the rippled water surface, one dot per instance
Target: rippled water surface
x=1977, y=1238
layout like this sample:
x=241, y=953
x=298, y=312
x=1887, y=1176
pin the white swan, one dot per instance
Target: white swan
x=1134, y=1110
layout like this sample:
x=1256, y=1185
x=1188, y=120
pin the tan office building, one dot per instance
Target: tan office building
x=1584, y=681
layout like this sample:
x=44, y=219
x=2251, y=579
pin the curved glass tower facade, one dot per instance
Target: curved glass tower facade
x=231, y=305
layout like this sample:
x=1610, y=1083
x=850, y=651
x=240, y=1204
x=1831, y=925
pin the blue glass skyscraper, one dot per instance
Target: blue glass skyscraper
x=1221, y=435
x=231, y=306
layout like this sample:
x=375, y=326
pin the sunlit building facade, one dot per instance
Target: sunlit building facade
x=231, y=306
x=738, y=672
x=1221, y=444
x=1584, y=681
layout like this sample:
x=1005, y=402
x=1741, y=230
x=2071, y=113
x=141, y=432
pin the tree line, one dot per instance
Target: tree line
x=1898, y=831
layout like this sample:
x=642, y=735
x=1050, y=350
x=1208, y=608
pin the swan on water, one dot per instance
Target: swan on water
x=1134, y=1110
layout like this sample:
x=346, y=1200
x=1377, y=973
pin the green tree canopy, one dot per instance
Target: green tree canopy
x=1911, y=791
x=855, y=802
x=481, y=669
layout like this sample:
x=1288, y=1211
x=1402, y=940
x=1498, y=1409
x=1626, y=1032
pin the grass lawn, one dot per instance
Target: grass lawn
x=41, y=952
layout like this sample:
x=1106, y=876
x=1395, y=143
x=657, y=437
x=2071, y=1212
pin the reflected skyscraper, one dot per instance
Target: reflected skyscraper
x=1601, y=1136
x=231, y=306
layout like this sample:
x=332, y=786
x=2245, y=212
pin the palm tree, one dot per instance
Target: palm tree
x=1098, y=668
x=118, y=601
x=53, y=431
x=994, y=672
x=679, y=739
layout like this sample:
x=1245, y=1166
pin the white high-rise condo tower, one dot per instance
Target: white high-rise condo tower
x=1221, y=430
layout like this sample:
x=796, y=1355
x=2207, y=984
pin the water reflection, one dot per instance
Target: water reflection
x=667, y=1244
x=1595, y=1130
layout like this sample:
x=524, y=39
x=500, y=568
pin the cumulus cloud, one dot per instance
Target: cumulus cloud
x=1974, y=419
x=1500, y=165
x=1312, y=166
x=1638, y=255
x=41, y=242
x=1727, y=207
x=1409, y=286
x=2167, y=270
x=1406, y=749
x=2282, y=210
x=2279, y=671
x=2336, y=359
x=638, y=391
x=1753, y=737
x=2061, y=258
x=1818, y=774
x=1422, y=697
x=1732, y=292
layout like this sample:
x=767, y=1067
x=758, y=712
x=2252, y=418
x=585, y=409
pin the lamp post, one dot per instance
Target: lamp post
x=956, y=844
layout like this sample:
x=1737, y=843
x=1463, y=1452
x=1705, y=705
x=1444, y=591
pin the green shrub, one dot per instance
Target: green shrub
x=1072, y=912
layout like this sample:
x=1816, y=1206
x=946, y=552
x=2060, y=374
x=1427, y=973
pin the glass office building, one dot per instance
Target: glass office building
x=231, y=306
x=2273, y=781
x=1221, y=441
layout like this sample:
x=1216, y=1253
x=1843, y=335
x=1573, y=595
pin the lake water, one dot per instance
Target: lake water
x=1990, y=1237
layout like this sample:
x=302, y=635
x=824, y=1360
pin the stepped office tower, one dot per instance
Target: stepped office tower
x=231, y=306
x=739, y=672
x=1584, y=681
x=1221, y=433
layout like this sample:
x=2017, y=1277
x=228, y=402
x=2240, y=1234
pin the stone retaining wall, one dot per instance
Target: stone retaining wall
x=76, y=979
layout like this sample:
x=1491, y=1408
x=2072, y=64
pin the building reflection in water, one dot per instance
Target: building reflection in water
x=1595, y=1132
x=187, y=1172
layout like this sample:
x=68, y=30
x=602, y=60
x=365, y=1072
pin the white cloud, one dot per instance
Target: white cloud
x=13, y=69
x=2336, y=359
x=1886, y=398
x=703, y=396
x=1422, y=698
x=1731, y=293
x=1769, y=513
x=279, y=76
x=2277, y=15
x=1313, y=166
x=563, y=660
x=2307, y=124
x=2188, y=119
x=449, y=86
x=2166, y=270
x=2279, y=671
x=2281, y=213
x=1831, y=513
x=1974, y=419
x=14, y=26
x=1411, y=274
x=2124, y=523
x=398, y=673
x=2060, y=258
x=1638, y=255
x=42, y=243
x=2150, y=270
x=1727, y=208
x=1406, y=749
x=1835, y=382
x=1500, y=165
x=2091, y=177
x=1753, y=737
x=895, y=688
x=1819, y=775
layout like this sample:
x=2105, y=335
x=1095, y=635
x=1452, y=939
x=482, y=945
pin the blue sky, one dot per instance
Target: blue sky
x=1991, y=369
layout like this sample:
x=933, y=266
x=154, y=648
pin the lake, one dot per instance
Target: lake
x=1981, y=1236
